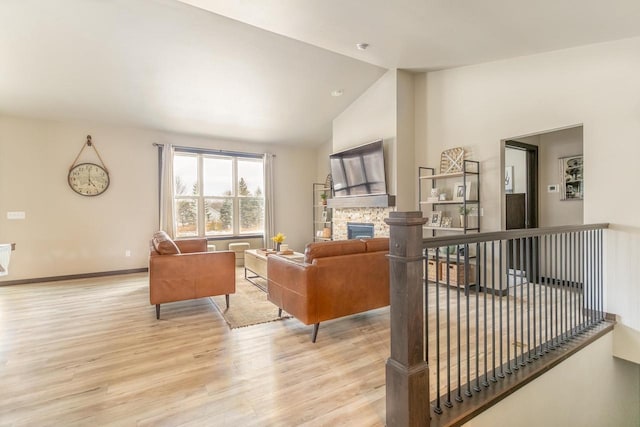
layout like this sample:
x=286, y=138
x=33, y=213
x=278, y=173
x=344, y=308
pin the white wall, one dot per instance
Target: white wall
x=323, y=167
x=591, y=388
x=597, y=86
x=65, y=233
x=385, y=110
x=553, y=146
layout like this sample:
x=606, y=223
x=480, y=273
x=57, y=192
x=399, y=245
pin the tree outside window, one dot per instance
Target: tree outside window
x=231, y=201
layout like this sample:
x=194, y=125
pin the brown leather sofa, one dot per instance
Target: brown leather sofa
x=336, y=279
x=183, y=269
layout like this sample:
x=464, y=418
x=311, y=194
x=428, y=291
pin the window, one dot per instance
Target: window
x=218, y=195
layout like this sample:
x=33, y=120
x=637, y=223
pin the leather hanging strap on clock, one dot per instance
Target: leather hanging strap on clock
x=89, y=143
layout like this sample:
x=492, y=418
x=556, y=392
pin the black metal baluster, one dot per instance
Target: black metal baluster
x=523, y=278
x=485, y=383
x=547, y=323
x=468, y=331
x=477, y=386
x=536, y=278
x=448, y=403
x=438, y=408
x=516, y=271
x=500, y=274
x=493, y=310
x=601, y=274
x=509, y=263
x=554, y=332
x=563, y=300
x=459, y=388
x=570, y=278
x=426, y=304
x=530, y=277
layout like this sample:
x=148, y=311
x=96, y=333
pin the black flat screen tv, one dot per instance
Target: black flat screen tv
x=359, y=171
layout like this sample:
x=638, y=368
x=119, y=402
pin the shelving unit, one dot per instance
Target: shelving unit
x=468, y=200
x=322, y=214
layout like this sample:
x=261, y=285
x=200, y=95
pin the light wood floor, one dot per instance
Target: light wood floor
x=90, y=352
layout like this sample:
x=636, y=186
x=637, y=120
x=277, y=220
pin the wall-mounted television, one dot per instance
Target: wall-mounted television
x=359, y=171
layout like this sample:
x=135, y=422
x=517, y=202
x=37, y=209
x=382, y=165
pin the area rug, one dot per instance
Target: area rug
x=248, y=306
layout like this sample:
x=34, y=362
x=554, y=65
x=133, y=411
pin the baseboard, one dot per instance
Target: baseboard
x=73, y=276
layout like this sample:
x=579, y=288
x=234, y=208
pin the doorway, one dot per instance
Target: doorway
x=521, y=207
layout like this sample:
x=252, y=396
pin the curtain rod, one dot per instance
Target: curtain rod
x=212, y=151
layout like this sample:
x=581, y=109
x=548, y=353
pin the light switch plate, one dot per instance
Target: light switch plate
x=16, y=215
x=553, y=188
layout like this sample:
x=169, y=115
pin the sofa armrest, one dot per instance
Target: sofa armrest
x=291, y=287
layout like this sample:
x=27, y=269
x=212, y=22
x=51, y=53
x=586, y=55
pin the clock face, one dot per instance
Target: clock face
x=88, y=179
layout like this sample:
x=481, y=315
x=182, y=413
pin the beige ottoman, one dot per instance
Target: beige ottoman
x=239, y=249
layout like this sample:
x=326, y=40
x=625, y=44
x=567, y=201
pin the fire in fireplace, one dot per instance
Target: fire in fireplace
x=359, y=230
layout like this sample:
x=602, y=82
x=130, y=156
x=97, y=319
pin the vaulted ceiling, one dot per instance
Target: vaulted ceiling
x=261, y=70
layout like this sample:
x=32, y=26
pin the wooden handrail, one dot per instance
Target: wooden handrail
x=434, y=242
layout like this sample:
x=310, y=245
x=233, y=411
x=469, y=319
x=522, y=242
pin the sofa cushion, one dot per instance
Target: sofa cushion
x=163, y=244
x=335, y=248
x=377, y=244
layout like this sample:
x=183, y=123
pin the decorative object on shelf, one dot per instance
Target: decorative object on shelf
x=460, y=193
x=445, y=222
x=463, y=214
x=322, y=210
x=278, y=239
x=508, y=179
x=88, y=179
x=326, y=233
x=434, y=192
x=436, y=218
x=442, y=197
x=571, y=171
x=328, y=181
x=451, y=160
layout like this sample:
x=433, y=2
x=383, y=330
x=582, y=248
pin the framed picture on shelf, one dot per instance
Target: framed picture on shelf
x=571, y=173
x=436, y=218
x=445, y=222
x=459, y=192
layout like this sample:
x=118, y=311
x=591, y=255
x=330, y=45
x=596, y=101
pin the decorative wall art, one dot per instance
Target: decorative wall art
x=571, y=172
x=451, y=160
x=508, y=179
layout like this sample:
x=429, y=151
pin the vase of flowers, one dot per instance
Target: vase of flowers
x=278, y=239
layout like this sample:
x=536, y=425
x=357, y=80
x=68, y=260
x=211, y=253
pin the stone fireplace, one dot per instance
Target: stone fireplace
x=369, y=215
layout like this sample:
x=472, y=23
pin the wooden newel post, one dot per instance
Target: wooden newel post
x=407, y=373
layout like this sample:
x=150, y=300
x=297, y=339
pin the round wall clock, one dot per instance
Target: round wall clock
x=88, y=179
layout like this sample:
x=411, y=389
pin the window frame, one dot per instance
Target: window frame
x=201, y=198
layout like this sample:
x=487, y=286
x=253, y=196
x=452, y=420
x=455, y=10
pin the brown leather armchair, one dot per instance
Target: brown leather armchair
x=336, y=279
x=183, y=269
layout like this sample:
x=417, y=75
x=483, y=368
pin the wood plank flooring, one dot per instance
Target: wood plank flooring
x=90, y=352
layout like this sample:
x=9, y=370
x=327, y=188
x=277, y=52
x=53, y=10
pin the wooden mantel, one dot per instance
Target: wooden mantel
x=377, y=201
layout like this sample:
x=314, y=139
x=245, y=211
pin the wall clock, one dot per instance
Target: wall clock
x=88, y=179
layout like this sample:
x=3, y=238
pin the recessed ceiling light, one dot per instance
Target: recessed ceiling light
x=362, y=46
x=337, y=92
